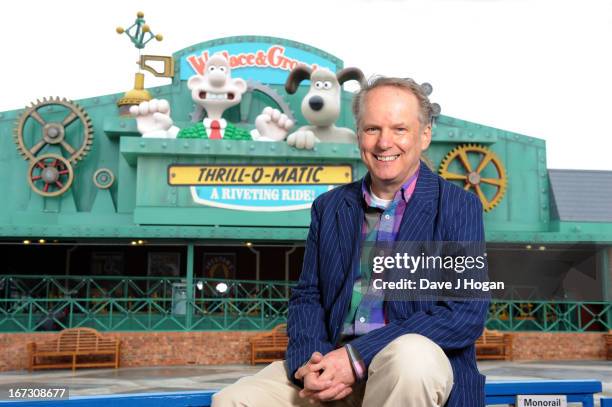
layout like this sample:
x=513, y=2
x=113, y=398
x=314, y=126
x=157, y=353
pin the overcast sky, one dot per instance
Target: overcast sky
x=542, y=68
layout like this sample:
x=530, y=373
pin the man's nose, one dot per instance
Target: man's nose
x=385, y=139
x=217, y=78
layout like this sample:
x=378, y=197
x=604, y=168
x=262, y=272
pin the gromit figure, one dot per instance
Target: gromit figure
x=321, y=105
x=215, y=91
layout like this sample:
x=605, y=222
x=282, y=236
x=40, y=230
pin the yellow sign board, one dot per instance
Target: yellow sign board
x=259, y=174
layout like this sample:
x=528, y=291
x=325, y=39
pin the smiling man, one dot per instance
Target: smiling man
x=346, y=343
x=392, y=134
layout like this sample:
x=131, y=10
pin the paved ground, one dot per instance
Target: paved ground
x=183, y=378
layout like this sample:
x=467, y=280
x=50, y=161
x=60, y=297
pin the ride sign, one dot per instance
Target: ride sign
x=263, y=188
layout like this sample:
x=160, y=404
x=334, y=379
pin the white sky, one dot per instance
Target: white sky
x=537, y=67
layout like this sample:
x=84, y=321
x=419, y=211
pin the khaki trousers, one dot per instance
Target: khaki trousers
x=411, y=371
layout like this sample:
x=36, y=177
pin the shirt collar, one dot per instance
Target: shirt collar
x=405, y=191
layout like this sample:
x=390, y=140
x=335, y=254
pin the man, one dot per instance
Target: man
x=346, y=345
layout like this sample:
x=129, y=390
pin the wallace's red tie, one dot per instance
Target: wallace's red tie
x=215, y=132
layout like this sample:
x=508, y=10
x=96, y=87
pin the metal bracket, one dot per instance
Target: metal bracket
x=168, y=71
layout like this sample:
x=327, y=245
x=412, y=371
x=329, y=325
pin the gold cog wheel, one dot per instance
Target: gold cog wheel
x=50, y=175
x=54, y=121
x=478, y=168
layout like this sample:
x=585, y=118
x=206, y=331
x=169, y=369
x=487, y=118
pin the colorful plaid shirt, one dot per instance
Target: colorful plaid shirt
x=366, y=312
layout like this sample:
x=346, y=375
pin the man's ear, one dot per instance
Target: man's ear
x=240, y=84
x=426, y=137
x=194, y=81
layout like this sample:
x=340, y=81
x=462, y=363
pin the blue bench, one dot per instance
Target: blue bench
x=577, y=391
x=497, y=392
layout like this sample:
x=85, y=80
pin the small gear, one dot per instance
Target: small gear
x=50, y=175
x=103, y=178
x=457, y=166
x=51, y=132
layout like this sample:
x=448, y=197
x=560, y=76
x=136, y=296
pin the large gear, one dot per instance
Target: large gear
x=458, y=166
x=50, y=175
x=274, y=95
x=53, y=132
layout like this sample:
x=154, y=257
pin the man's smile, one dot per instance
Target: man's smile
x=386, y=157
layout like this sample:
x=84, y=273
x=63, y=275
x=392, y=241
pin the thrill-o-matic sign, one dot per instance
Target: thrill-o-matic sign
x=260, y=188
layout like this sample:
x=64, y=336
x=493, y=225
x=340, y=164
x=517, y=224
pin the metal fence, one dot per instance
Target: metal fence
x=47, y=303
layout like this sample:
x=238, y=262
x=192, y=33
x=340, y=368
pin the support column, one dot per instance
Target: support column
x=606, y=269
x=189, y=278
x=606, y=280
x=257, y=270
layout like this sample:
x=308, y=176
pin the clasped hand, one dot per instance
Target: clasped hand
x=327, y=378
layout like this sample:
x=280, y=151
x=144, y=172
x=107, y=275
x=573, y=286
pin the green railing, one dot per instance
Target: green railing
x=128, y=287
x=549, y=316
x=39, y=303
x=122, y=303
x=148, y=314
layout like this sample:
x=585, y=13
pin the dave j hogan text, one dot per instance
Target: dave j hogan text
x=425, y=284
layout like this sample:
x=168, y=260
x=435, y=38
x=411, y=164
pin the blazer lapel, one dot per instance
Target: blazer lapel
x=349, y=219
x=421, y=209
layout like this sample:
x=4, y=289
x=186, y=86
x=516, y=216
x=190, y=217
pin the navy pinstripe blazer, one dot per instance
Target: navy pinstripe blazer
x=437, y=211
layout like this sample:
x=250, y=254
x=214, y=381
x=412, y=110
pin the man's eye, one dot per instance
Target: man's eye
x=370, y=130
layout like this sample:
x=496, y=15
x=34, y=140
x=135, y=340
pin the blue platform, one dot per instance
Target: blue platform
x=174, y=399
x=497, y=392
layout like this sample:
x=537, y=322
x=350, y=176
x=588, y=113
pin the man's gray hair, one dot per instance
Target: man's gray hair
x=425, y=109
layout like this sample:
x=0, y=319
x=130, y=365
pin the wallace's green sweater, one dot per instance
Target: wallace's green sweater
x=199, y=131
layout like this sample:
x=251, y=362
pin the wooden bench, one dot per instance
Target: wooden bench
x=494, y=345
x=65, y=350
x=609, y=346
x=269, y=346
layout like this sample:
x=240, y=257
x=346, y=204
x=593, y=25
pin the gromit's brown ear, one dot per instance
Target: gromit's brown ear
x=297, y=75
x=351, y=74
